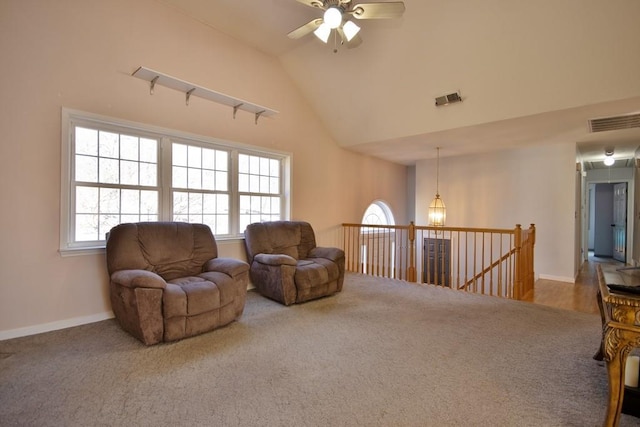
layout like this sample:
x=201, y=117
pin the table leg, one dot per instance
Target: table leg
x=600, y=353
x=615, y=374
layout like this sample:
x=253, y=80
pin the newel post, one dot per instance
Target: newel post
x=532, y=234
x=517, y=283
x=531, y=277
x=411, y=270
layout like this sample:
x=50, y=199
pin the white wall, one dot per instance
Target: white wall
x=532, y=185
x=80, y=54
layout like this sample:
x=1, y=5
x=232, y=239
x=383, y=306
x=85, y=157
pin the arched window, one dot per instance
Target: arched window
x=377, y=244
x=378, y=213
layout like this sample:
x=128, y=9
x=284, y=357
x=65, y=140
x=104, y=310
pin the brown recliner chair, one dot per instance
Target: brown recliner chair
x=286, y=265
x=167, y=282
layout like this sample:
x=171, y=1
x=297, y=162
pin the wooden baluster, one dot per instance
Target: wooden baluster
x=411, y=271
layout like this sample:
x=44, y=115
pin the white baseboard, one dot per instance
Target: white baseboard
x=557, y=278
x=54, y=326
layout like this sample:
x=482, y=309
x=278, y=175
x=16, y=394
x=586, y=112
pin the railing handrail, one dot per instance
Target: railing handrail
x=434, y=228
x=493, y=261
x=496, y=263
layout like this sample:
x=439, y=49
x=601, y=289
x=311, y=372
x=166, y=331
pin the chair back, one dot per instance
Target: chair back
x=169, y=249
x=293, y=238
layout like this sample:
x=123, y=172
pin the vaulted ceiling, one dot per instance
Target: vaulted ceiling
x=528, y=72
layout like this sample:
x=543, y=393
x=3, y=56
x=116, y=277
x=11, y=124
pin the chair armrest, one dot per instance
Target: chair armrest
x=333, y=254
x=138, y=279
x=229, y=266
x=275, y=259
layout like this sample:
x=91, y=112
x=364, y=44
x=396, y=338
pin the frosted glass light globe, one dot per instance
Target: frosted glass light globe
x=333, y=17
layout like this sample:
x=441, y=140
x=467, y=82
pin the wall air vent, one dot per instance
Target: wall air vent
x=628, y=121
x=448, y=99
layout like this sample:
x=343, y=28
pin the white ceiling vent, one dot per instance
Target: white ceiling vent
x=615, y=123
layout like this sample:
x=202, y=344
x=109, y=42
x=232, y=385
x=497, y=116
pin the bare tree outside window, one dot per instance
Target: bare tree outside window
x=260, y=188
x=116, y=172
x=116, y=178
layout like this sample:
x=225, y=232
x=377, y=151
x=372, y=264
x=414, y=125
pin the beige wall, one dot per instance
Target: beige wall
x=508, y=58
x=79, y=54
x=532, y=185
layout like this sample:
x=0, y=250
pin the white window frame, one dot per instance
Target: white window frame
x=386, y=219
x=72, y=118
x=384, y=207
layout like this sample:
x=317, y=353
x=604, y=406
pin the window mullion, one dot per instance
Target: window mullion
x=285, y=189
x=234, y=196
x=166, y=188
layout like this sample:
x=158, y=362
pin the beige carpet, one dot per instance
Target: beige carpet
x=381, y=353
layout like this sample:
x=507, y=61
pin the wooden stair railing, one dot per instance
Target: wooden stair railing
x=490, y=261
x=495, y=264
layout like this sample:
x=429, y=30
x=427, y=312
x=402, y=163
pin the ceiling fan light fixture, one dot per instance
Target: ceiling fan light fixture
x=323, y=32
x=350, y=30
x=333, y=17
x=336, y=15
x=608, y=157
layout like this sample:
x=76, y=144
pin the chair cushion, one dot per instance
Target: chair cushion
x=188, y=296
x=228, y=288
x=310, y=273
x=333, y=270
x=192, y=295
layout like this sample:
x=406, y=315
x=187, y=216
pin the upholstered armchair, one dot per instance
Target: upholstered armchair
x=286, y=265
x=168, y=283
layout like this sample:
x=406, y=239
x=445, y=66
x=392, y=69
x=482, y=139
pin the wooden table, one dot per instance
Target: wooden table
x=620, y=332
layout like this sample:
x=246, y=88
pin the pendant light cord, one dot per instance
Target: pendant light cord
x=438, y=172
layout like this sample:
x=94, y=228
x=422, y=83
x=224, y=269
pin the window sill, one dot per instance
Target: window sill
x=94, y=250
x=99, y=250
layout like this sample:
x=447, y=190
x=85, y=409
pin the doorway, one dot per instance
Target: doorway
x=608, y=203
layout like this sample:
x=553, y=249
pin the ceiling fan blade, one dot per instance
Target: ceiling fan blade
x=312, y=3
x=393, y=9
x=305, y=29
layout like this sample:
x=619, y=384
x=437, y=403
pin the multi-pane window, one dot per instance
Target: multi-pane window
x=259, y=185
x=115, y=180
x=200, y=186
x=121, y=172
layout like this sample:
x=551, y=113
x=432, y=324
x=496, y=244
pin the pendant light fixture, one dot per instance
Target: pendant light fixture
x=437, y=210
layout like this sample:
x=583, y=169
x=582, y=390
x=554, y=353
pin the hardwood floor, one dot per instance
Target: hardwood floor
x=578, y=296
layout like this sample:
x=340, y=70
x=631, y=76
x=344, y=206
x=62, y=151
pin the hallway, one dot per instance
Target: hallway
x=580, y=296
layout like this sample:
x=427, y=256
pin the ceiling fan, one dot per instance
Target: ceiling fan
x=336, y=17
